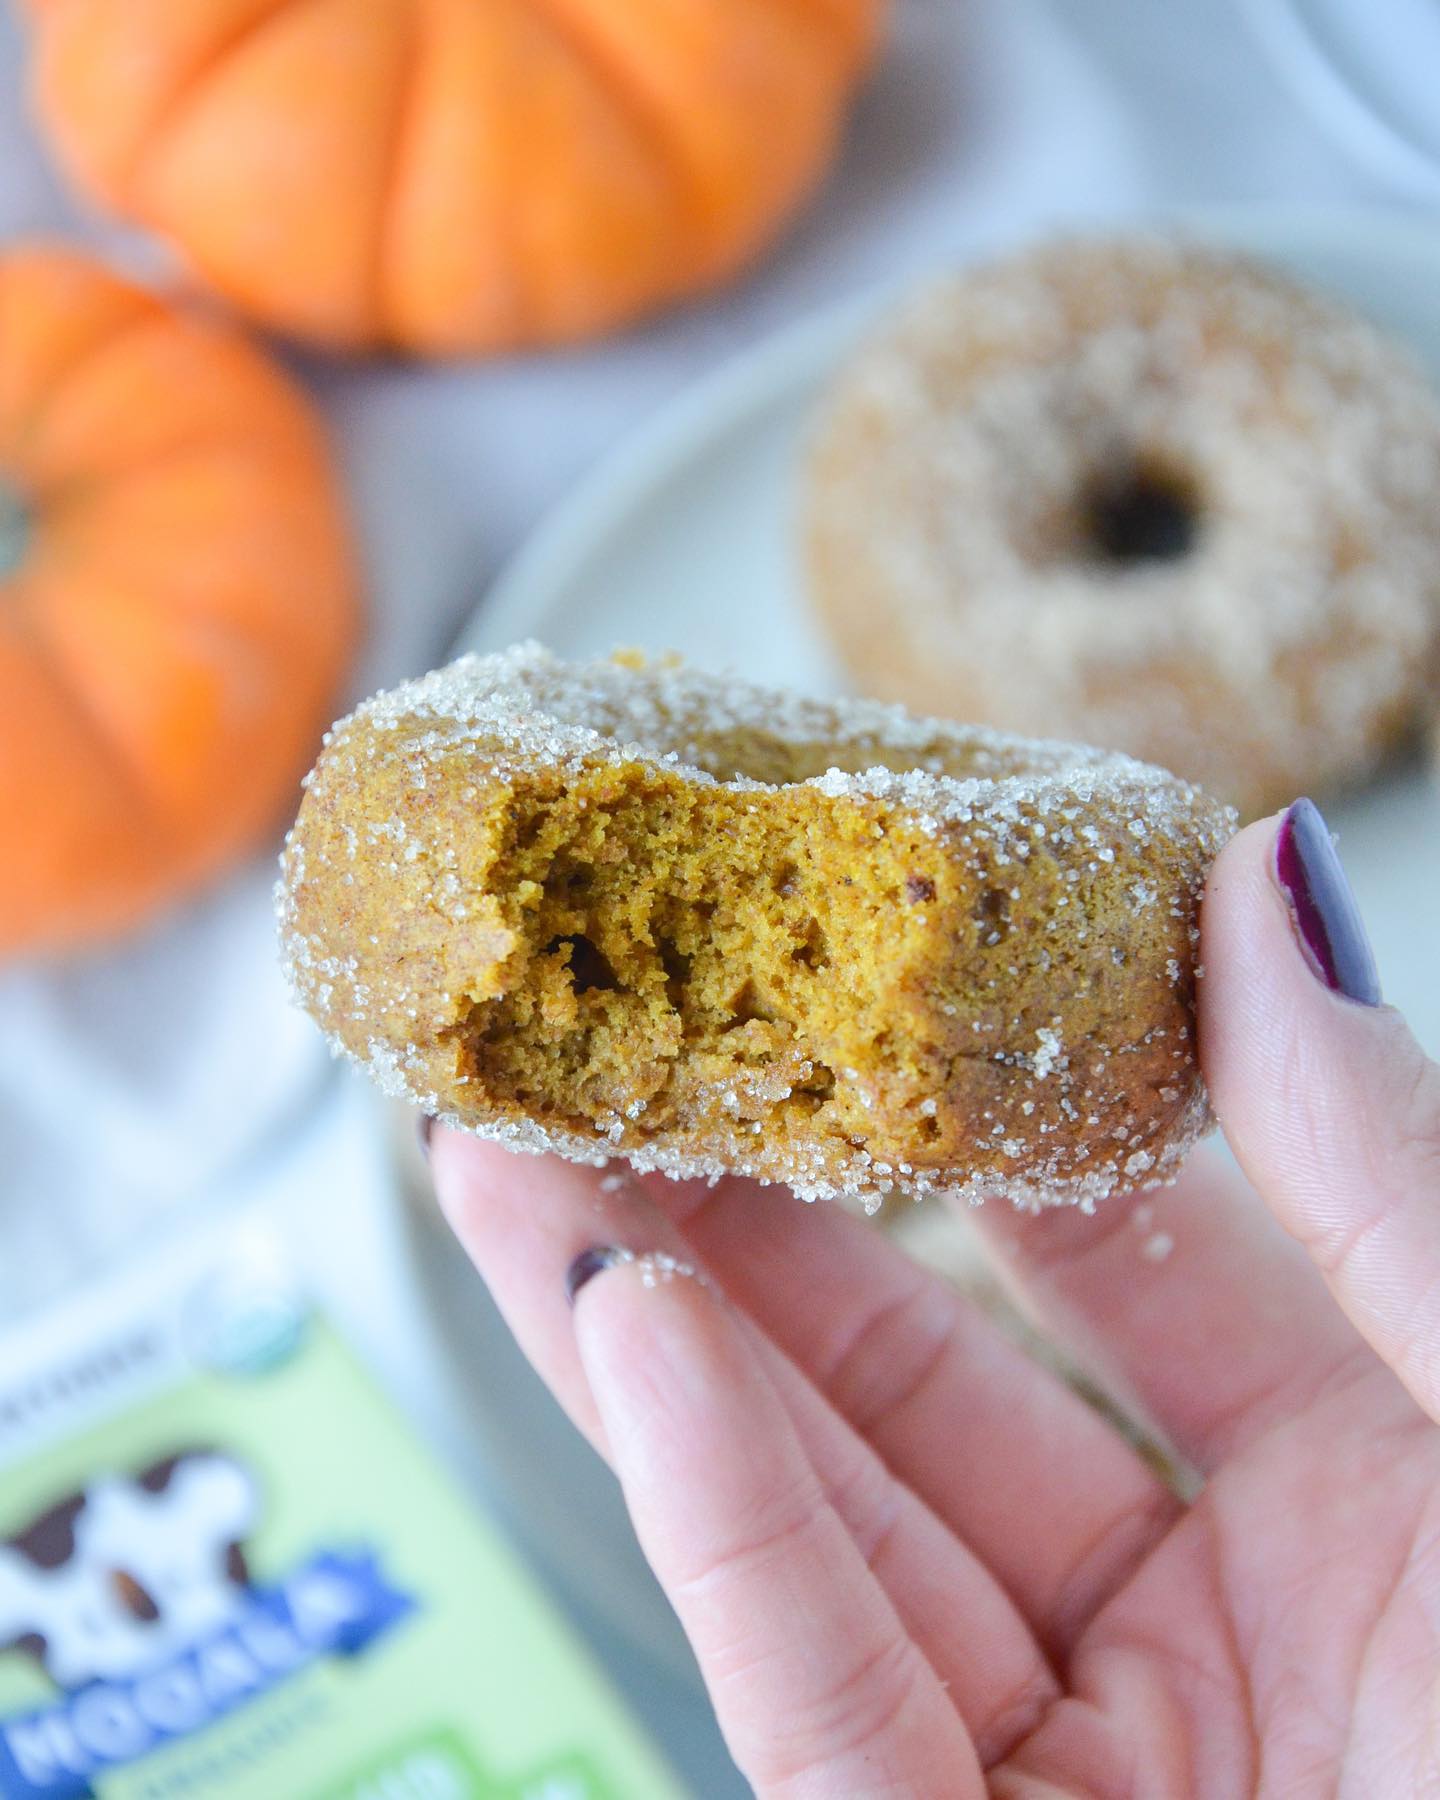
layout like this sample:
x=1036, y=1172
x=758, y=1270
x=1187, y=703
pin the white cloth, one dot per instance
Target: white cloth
x=130, y=1082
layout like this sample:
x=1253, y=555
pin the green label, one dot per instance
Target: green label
x=441, y=1767
x=253, y=1579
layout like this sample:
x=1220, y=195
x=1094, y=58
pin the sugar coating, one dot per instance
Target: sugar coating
x=396, y=944
x=1290, y=648
x=657, y=1268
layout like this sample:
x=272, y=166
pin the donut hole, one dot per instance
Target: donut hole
x=1144, y=514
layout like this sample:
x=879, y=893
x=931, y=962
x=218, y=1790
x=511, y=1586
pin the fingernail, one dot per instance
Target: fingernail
x=1327, y=920
x=424, y=1125
x=588, y=1264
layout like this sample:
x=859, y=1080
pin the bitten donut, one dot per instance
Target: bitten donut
x=626, y=909
x=1143, y=494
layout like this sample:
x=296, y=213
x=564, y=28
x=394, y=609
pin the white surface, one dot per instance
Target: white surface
x=1369, y=73
x=684, y=539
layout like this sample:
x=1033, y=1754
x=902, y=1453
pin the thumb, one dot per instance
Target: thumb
x=1328, y=1102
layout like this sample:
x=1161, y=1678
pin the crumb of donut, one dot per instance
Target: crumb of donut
x=641, y=912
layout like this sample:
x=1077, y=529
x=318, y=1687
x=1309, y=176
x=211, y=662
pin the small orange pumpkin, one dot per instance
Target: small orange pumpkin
x=452, y=175
x=176, y=599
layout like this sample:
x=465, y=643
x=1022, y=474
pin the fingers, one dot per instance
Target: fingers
x=525, y=1220
x=1189, y=1304
x=1022, y=1470
x=818, y=1687
x=1327, y=1100
x=1193, y=1303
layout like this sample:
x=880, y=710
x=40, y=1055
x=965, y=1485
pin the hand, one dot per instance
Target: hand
x=913, y=1562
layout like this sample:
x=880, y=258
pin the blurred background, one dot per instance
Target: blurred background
x=152, y=1070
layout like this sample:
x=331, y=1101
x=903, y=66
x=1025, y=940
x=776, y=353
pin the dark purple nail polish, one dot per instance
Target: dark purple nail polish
x=588, y=1264
x=424, y=1125
x=1327, y=920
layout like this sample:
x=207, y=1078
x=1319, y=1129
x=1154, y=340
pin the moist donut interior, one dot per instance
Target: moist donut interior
x=683, y=948
x=1144, y=513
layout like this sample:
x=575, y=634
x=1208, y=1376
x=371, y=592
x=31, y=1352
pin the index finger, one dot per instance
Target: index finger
x=818, y=1687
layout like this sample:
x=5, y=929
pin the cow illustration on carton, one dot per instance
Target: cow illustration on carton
x=136, y=1598
x=129, y=1574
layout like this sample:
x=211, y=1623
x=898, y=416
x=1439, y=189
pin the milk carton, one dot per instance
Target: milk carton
x=228, y=1570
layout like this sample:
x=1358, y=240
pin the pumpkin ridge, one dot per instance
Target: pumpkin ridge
x=392, y=167
x=226, y=638
x=53, y=496
x=178, y=102
x=864, y=27
x=237, y=433
x=50, y=664
x=276, y=642
x=13, y=451
x=822, y=15
x=649, y=121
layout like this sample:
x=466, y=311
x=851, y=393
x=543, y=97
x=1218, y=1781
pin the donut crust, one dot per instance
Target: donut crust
x=627, y=909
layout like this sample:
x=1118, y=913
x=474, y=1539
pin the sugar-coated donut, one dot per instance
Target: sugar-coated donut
x=627, y=909
x=1144, y=494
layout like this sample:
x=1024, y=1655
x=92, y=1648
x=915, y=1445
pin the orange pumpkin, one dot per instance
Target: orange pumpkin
x=176, y=599
x=451, y=175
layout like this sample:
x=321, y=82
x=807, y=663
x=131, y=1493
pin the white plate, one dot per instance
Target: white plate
x=1368, y=73
x=683, y=539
